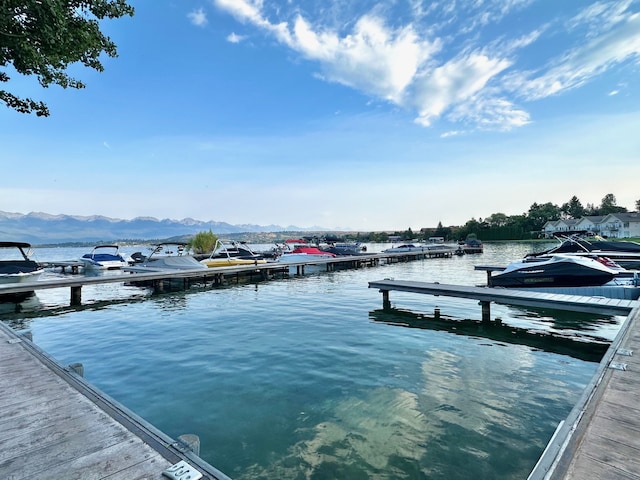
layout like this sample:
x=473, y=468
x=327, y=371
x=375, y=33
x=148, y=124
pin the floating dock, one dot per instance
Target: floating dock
x=54, y=425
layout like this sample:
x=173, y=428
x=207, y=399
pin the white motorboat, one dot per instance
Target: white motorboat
x=104, y=257
x=224, y=255
x=166, y=256
x=303, y=254
x=406, y=248
x=15, y=264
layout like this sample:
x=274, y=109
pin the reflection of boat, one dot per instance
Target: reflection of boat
x=302, y=254
x=167, y=256
x=555, y=271
x=17, y=267
x=624, y=253
x=231, y=255
x=104, y=257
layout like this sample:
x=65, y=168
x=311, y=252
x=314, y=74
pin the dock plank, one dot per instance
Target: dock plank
x=50, y=429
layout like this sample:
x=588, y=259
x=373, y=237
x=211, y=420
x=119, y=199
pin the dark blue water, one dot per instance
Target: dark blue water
x=308, y=378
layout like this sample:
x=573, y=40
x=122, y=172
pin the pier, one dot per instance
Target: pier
x=55, y=425
x=210, y=276
x=485, y=296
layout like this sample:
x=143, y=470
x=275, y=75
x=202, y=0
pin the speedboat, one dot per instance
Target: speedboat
x=167, y=256
x=302, y=254
x=15, y=264
x=556, y=271
x=17, y=267
x=104, y=257
x=624, y=253
x=231, y=255
x=355, y=248
x=406, y=248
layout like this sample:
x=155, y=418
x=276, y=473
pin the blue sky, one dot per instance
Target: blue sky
x=362, y=115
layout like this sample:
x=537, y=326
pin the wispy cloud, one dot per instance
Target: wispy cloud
x=456, y=64
x=235, y=38
x=198, y=17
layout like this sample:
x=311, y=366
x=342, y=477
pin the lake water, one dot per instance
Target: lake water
x=308, y=378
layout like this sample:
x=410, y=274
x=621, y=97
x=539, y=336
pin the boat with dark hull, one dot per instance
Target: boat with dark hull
x=624, y=253
x=17, y=267
x=556, y=271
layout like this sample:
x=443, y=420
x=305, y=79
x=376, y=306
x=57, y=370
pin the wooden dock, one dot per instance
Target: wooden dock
x=600, y=439
x=214, y=276
x=54, y=425
x=486, y=295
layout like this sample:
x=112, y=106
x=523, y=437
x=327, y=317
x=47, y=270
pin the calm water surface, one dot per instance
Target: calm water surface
x=308, y=378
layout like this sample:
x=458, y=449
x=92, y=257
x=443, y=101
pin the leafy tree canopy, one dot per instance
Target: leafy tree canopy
x=44, y=37
x=203, y=242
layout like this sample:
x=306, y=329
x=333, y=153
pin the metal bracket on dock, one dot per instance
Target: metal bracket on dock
x=182, y=471
x=618, y=366
x=14, y=340
x=624, y=352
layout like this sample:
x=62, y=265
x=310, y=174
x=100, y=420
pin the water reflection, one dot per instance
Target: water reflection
x=582, y=347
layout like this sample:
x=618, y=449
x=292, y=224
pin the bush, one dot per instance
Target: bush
x=203, y=242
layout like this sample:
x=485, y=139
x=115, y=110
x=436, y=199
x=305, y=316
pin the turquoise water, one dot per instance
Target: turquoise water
x=308, y=378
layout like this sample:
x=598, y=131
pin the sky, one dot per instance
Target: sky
x=343, y=115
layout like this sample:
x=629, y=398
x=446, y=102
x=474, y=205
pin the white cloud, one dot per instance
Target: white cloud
x=583, y=63
x=198, y=17
x=453, y=84
x=235, y=38
x=435, y=61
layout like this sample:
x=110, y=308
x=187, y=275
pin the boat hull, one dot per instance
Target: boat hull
x=558, y=275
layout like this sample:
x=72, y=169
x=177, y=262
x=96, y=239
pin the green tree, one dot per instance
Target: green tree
x=608, y=205
x=538, y=215
x=573, y=208
x=44, y=37
x=203, y=242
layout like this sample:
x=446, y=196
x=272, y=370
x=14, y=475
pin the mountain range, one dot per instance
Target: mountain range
x=40, y=228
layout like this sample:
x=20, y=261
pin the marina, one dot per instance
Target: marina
x=391, y=316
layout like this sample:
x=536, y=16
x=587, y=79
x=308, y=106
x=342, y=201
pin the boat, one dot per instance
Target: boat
x=558, y=270
x=224, y=255
x=624, y=253
x=166, y=256
x=472, y=245
x=406, y=248
x=16, y=266
x=104, y=257
x=303, y=254
x=345, y=248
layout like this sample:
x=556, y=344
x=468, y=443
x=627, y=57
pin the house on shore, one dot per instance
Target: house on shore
x=614, y=225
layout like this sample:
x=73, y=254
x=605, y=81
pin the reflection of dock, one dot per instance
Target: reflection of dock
x=55, y=425
x=590, y=350
x=600, y=439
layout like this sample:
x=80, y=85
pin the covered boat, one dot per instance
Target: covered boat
x=104, y=257
x=556, y=271
x=167, y=256
x=224, y=255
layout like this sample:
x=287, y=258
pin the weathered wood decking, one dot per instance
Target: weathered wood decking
x=600, y=439
x=54, y=425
